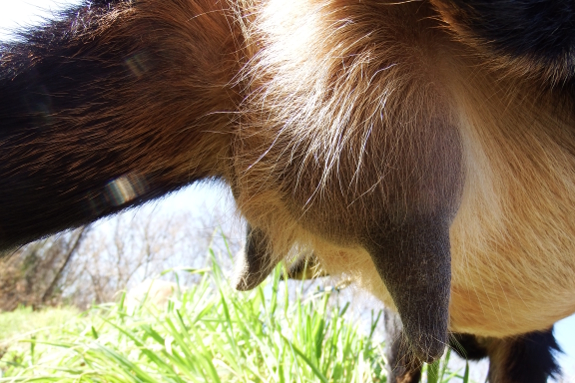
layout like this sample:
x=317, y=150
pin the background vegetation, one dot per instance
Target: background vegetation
x=78, y=325
x=207, y=333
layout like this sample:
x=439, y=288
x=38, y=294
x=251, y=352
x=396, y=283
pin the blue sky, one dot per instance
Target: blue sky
x=15, y=13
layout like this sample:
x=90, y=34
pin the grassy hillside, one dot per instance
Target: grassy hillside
x=209, y=333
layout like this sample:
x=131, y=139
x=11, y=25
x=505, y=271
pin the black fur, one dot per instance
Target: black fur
x=60, y=69
x=57, y=75
x=467, y=346
x=528, y=358
x=543, y=30
x=531, y=358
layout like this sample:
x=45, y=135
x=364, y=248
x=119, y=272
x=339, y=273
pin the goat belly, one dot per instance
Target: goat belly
x=343, y=137
x=513, y=239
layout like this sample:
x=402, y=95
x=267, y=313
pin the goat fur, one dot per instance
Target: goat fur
x=412, y=150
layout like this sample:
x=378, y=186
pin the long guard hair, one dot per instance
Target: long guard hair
x=424, y=149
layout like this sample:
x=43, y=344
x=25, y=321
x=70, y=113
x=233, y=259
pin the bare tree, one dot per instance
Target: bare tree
x=91, y=265
x=123, y=251
x=31, y=274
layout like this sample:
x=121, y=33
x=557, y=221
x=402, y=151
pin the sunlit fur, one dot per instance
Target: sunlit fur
x=331, y=121
x=340, y=73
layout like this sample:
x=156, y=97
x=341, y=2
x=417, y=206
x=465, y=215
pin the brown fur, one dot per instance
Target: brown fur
x=513, y=223
x=340, y=127
x=168, y=92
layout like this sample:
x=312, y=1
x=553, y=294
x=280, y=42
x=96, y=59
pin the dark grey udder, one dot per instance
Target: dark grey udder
x=413, y=260
x=256, y=261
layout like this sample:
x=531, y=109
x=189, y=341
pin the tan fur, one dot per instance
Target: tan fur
x=513, y=238
x=303, y=174
x=324, y=130
x=335, y=120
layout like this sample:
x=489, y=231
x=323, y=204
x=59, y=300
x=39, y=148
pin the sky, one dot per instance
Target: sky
x=20, y=13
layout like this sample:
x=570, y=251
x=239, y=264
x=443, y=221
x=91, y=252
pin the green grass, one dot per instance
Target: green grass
x=24, y=320
x=211, y=334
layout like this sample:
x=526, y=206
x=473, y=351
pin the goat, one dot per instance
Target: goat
x=425, y=149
